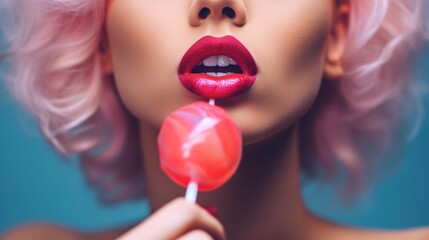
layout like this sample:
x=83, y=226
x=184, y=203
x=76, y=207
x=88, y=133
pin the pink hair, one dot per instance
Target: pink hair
x=56, y=74
x=357, y=119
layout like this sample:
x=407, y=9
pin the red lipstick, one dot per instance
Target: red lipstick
x=217, y=68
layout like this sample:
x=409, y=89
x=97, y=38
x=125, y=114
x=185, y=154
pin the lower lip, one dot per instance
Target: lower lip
x=217, y=87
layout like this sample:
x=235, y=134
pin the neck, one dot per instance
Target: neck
x=261, y=201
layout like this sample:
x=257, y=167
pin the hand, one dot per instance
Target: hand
x=178, y=220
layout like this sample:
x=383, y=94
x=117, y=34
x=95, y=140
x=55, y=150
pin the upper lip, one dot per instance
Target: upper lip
x=209, y=46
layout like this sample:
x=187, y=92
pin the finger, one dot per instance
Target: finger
x=180, y=217
x=196, y=235
x=174, y=220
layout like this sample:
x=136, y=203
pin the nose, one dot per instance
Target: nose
x=217, y=10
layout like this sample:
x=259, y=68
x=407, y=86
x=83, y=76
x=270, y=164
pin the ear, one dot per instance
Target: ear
x=105, y=57
x=333, y=66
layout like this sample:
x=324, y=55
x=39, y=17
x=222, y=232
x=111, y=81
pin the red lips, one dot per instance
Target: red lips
x=234, y=80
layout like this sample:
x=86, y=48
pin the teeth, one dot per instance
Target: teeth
x=218, y=74
x=221, y=61
x=210, y=61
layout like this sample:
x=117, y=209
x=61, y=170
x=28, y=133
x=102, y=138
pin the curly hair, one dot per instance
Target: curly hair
x=56, y=74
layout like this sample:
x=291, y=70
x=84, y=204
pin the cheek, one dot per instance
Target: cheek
x=145, y=59
x=293, y=44
x=290, y=55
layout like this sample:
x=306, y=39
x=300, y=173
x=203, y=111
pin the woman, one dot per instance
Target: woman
x=330, y=81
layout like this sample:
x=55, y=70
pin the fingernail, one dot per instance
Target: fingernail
x=212, y=210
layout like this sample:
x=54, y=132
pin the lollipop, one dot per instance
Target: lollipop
x=200, y=147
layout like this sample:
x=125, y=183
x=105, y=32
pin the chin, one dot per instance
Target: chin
x=253, y=136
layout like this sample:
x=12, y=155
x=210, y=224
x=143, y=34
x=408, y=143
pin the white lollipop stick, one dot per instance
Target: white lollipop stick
x=192, y=189
x=191, y=192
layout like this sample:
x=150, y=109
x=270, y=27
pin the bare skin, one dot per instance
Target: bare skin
x=322, y=231
x=283, y=213
x=263, y=199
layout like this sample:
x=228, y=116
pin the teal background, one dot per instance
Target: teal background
x=36, y=184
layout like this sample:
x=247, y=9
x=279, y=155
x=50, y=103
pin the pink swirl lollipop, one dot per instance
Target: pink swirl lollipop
x=199, y=143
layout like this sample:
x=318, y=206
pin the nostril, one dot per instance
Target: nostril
x=229, y=12
x=204, y=13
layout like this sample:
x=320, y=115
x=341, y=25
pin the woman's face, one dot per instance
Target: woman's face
x=287, y=39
